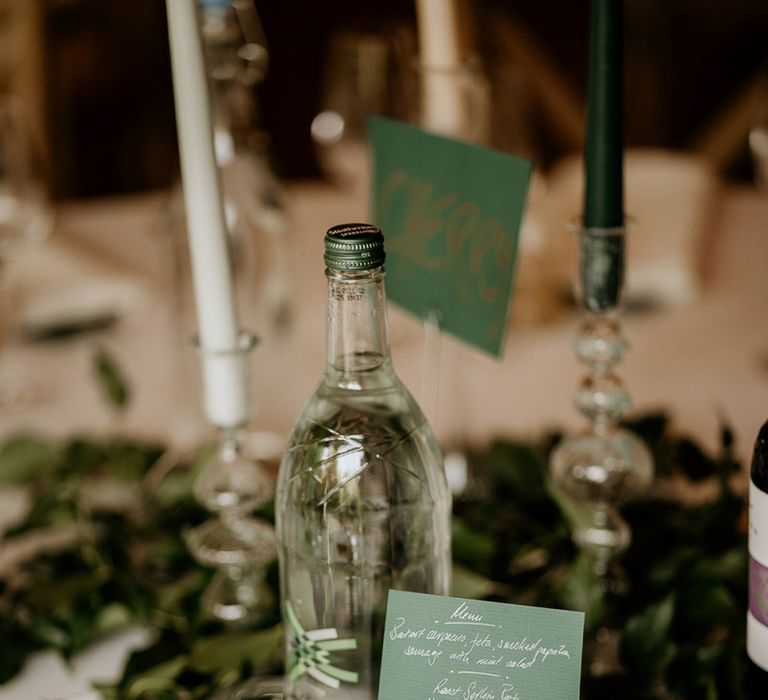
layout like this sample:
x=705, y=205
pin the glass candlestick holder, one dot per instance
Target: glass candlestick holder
x=607, y=464
x=232, y=485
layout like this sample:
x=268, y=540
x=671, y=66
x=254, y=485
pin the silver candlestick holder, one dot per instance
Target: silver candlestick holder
x=607, y=464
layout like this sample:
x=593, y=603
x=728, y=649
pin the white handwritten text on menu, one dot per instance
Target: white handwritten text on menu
x=437, y=648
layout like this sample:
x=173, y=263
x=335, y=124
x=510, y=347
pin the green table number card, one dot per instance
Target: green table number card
x=442, y=648
x=451, y=214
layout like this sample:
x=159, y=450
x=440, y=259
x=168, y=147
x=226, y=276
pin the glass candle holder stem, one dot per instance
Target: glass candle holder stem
x=606, y=464
x=232, y=485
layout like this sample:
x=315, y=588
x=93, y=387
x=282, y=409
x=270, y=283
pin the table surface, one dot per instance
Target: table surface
x=696, y=361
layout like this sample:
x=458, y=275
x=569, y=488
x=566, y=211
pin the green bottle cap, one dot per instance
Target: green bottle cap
x=354, y=247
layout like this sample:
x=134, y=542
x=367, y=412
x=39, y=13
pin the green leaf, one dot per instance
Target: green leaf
x=646, y=645
x=517, y=470
x=704, y=605
x=732, y=672
x=14, y=653
x=227, y=652
x=469, y=584
x=25, y=457
x=692, y=673
x=84, y=455
x=158, y=678
x=111, y=380
x=531, y=557
x=113, y=617
x=731, y=568
x=472, y=548
x=131, y=461
x=574, y=513
x=692, y=461
x=583, y=591
x=175, y=488
x=51, y=635
x=170, y=596
x=204, y=455
x=63, y=595
x=650, y=427
x=107, y=691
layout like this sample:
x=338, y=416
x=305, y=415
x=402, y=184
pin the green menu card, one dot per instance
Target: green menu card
x=438, y=648
x=451, y=214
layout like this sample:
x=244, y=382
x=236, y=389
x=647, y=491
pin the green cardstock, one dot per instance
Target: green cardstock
x=442, y=648
x=451, y=213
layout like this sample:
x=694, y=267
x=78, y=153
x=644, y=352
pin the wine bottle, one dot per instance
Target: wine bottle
x=757, y=617
x=362, y=504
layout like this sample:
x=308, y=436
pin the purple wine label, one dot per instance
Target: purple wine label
x=758, y=591
x=758, y=524
x=757, y=618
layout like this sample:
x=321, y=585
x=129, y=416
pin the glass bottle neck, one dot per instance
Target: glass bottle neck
x=358, y=338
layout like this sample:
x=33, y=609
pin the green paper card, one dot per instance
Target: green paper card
x=439, y=648
x=451, y=214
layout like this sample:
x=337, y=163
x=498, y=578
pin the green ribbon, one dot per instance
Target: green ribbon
x=307, y=654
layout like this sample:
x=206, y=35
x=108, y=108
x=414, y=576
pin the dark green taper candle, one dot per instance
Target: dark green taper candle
x=602, y=257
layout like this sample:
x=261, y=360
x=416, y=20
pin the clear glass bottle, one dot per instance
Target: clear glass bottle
x=362, y=502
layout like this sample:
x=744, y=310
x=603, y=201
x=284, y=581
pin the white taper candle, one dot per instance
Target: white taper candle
x=440, y=58
x=223, y=364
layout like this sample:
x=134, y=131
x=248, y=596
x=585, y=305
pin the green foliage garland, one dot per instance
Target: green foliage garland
x=120, y=560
